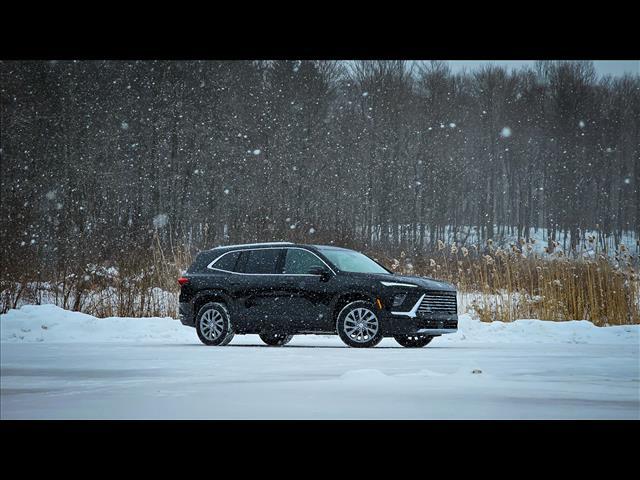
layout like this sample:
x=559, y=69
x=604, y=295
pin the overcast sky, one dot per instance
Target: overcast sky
x=603, y=67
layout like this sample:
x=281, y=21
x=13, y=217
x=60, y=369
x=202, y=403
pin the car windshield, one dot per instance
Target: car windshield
x=350, y=261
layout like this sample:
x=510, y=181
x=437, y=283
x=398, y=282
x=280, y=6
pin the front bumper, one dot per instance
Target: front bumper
x=434, y=324
x=432, y=313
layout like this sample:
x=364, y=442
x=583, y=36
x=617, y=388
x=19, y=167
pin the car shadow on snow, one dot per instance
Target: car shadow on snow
x=200, y=345
x=334, y=347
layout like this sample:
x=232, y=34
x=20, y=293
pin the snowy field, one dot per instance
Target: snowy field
x=56, y=364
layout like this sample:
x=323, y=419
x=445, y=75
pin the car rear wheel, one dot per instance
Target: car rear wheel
x=275, y=339
x=358, y=325
x=214, y=325
x=413, y=341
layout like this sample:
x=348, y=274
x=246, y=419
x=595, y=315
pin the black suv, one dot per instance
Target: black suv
x=277, y=290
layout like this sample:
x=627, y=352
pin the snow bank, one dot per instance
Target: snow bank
x=48, y=323
x=541, y=331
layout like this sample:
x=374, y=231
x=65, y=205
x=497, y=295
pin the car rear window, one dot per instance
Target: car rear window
x=262, y=261
x=227, y=261
x=203, y=259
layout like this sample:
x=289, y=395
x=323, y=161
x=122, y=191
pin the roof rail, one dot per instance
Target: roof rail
x=254, y=244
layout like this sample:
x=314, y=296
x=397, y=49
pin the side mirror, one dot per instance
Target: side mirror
x=323, y=271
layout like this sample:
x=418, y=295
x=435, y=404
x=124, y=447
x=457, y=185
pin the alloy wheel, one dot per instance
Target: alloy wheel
x=361, y=325
x=212, y=324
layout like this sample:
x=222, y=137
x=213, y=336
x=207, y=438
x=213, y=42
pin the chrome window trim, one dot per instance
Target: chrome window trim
x=211, y=267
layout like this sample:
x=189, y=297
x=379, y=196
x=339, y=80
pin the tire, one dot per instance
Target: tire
x=213, y=324
x=358, y=325
x=413, y=341
x=275, y=339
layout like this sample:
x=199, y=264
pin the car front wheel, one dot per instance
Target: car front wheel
x=358, y=325
x=413, y=341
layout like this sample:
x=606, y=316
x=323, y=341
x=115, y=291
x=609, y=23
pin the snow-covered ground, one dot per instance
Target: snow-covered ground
x=60, y=364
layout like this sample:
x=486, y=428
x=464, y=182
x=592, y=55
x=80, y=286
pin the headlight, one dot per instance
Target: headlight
x=399, y=299
x=396, y=284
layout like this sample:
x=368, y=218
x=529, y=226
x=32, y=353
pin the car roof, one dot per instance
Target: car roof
x=329, y=247
x=247, y=246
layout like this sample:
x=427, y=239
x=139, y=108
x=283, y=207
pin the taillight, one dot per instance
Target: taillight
x=183, y=280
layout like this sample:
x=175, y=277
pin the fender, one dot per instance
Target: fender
x=353, y=293
x=221, y=294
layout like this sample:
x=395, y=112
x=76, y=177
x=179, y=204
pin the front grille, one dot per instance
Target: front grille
x=439, y=302
x=439, y=324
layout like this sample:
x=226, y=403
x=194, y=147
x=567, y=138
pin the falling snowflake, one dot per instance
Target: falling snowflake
x=160, y=220
x=124, y=125
x=452, y=125
x=256, y=151
x=581, y=124
x=312, y=230
x=505, y=132
x=226, y=191
x=51, y=195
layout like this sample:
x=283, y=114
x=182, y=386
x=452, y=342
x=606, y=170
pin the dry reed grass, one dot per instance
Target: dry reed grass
x=503, y=284
x=513, y=283
x=134, y=286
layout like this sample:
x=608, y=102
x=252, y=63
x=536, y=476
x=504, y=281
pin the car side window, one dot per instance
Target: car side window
x=262, y=261
x=298, y=261
x=227, y=261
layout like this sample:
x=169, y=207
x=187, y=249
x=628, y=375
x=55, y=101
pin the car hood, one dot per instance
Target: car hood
x=424, y=282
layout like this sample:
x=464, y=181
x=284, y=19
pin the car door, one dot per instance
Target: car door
x=260, y=301
x=306, y=304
